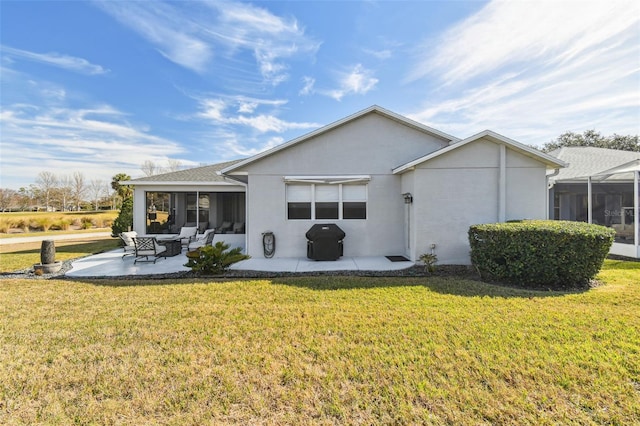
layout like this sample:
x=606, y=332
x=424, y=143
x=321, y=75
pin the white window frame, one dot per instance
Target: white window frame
x=341, y=201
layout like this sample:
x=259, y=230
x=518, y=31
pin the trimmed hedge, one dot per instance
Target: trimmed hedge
x=540, y=253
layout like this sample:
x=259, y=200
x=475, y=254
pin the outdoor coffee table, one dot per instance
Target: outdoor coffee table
x=174, y=247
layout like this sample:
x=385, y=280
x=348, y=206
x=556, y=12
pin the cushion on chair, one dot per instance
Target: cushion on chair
x=127, y=237
x=188, y=231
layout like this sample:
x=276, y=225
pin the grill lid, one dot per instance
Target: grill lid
x=322, y=231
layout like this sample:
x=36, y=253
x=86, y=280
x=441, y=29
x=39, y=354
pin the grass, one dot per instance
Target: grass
x=14, y=257
x=319, y=350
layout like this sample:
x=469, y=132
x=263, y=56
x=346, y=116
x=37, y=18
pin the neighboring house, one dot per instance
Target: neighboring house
x=608, y=175
x=395, y=186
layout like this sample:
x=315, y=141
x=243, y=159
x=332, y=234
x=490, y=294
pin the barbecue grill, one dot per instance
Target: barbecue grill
x=324, y=242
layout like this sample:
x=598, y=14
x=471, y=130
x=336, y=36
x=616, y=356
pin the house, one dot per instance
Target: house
x=393, y=185
x=599, y=186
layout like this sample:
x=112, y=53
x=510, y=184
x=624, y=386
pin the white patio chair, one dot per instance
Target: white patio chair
x=129, y=246
x=202, y=240
x=187, y=235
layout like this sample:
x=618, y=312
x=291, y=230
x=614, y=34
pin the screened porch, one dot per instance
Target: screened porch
x=167, y=212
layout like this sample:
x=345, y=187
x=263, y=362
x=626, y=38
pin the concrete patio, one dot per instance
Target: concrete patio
x=111, y=264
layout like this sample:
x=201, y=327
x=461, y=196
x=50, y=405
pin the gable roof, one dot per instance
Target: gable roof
x=372, y=109
x=547, y=159
x=198, y=175
x=587, y=161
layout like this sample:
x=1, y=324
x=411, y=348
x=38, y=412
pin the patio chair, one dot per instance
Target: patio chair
x=202, y=240
x=148, y=246
x=129, y=246
x=224, y=228
x=187, y=235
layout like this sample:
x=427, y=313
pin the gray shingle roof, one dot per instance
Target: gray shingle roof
x=589, y=161
x=196, y=174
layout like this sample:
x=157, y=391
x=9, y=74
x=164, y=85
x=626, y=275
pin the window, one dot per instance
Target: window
x=326, y=201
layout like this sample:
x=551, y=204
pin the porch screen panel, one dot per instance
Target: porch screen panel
x=327, y=199
x=299, y=201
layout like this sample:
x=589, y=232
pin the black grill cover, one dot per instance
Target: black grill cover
x=325, y=242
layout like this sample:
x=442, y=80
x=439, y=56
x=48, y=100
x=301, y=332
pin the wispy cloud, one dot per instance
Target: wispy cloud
x=308, y=87
x=67, y=62
x=240, y=125
x=240, y=111
x=198, y=35
x=357, y=81
x=97, y=141
x=535, y=72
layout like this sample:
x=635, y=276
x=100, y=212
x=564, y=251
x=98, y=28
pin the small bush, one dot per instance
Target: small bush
x=42, y=223
x=540, y=254
x=22, y=224
x=214, y=259
x=124, y=221
x=86, y=222
x=64, y=224
x=429, y=260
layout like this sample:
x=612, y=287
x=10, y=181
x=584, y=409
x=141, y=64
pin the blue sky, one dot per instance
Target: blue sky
x=101, y=87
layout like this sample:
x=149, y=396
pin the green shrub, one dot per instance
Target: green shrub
x=86, y=222
x=124, y=221
x=540, y=254
x=214, y=259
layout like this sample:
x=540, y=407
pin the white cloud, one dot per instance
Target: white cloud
x=505, y=33
x=358, y=81
x=97, y=141
x=307, y=89
x=535, y=70
x=174, y=34
x=217, y=111
x=189, y=33
x=379, y=54
x=70, y=63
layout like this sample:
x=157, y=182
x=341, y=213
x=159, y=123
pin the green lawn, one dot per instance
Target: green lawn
x=319, y=350
x=15, y=257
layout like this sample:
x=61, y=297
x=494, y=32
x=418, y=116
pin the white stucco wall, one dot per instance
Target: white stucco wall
x=462, y=188
x=371, y=145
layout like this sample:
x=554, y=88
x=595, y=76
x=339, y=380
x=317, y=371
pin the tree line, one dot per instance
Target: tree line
x=592, y=138
x=74, y=192
x=52, y=192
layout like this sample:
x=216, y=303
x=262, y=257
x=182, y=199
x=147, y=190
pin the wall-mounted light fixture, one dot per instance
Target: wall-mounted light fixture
x=408, y=198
